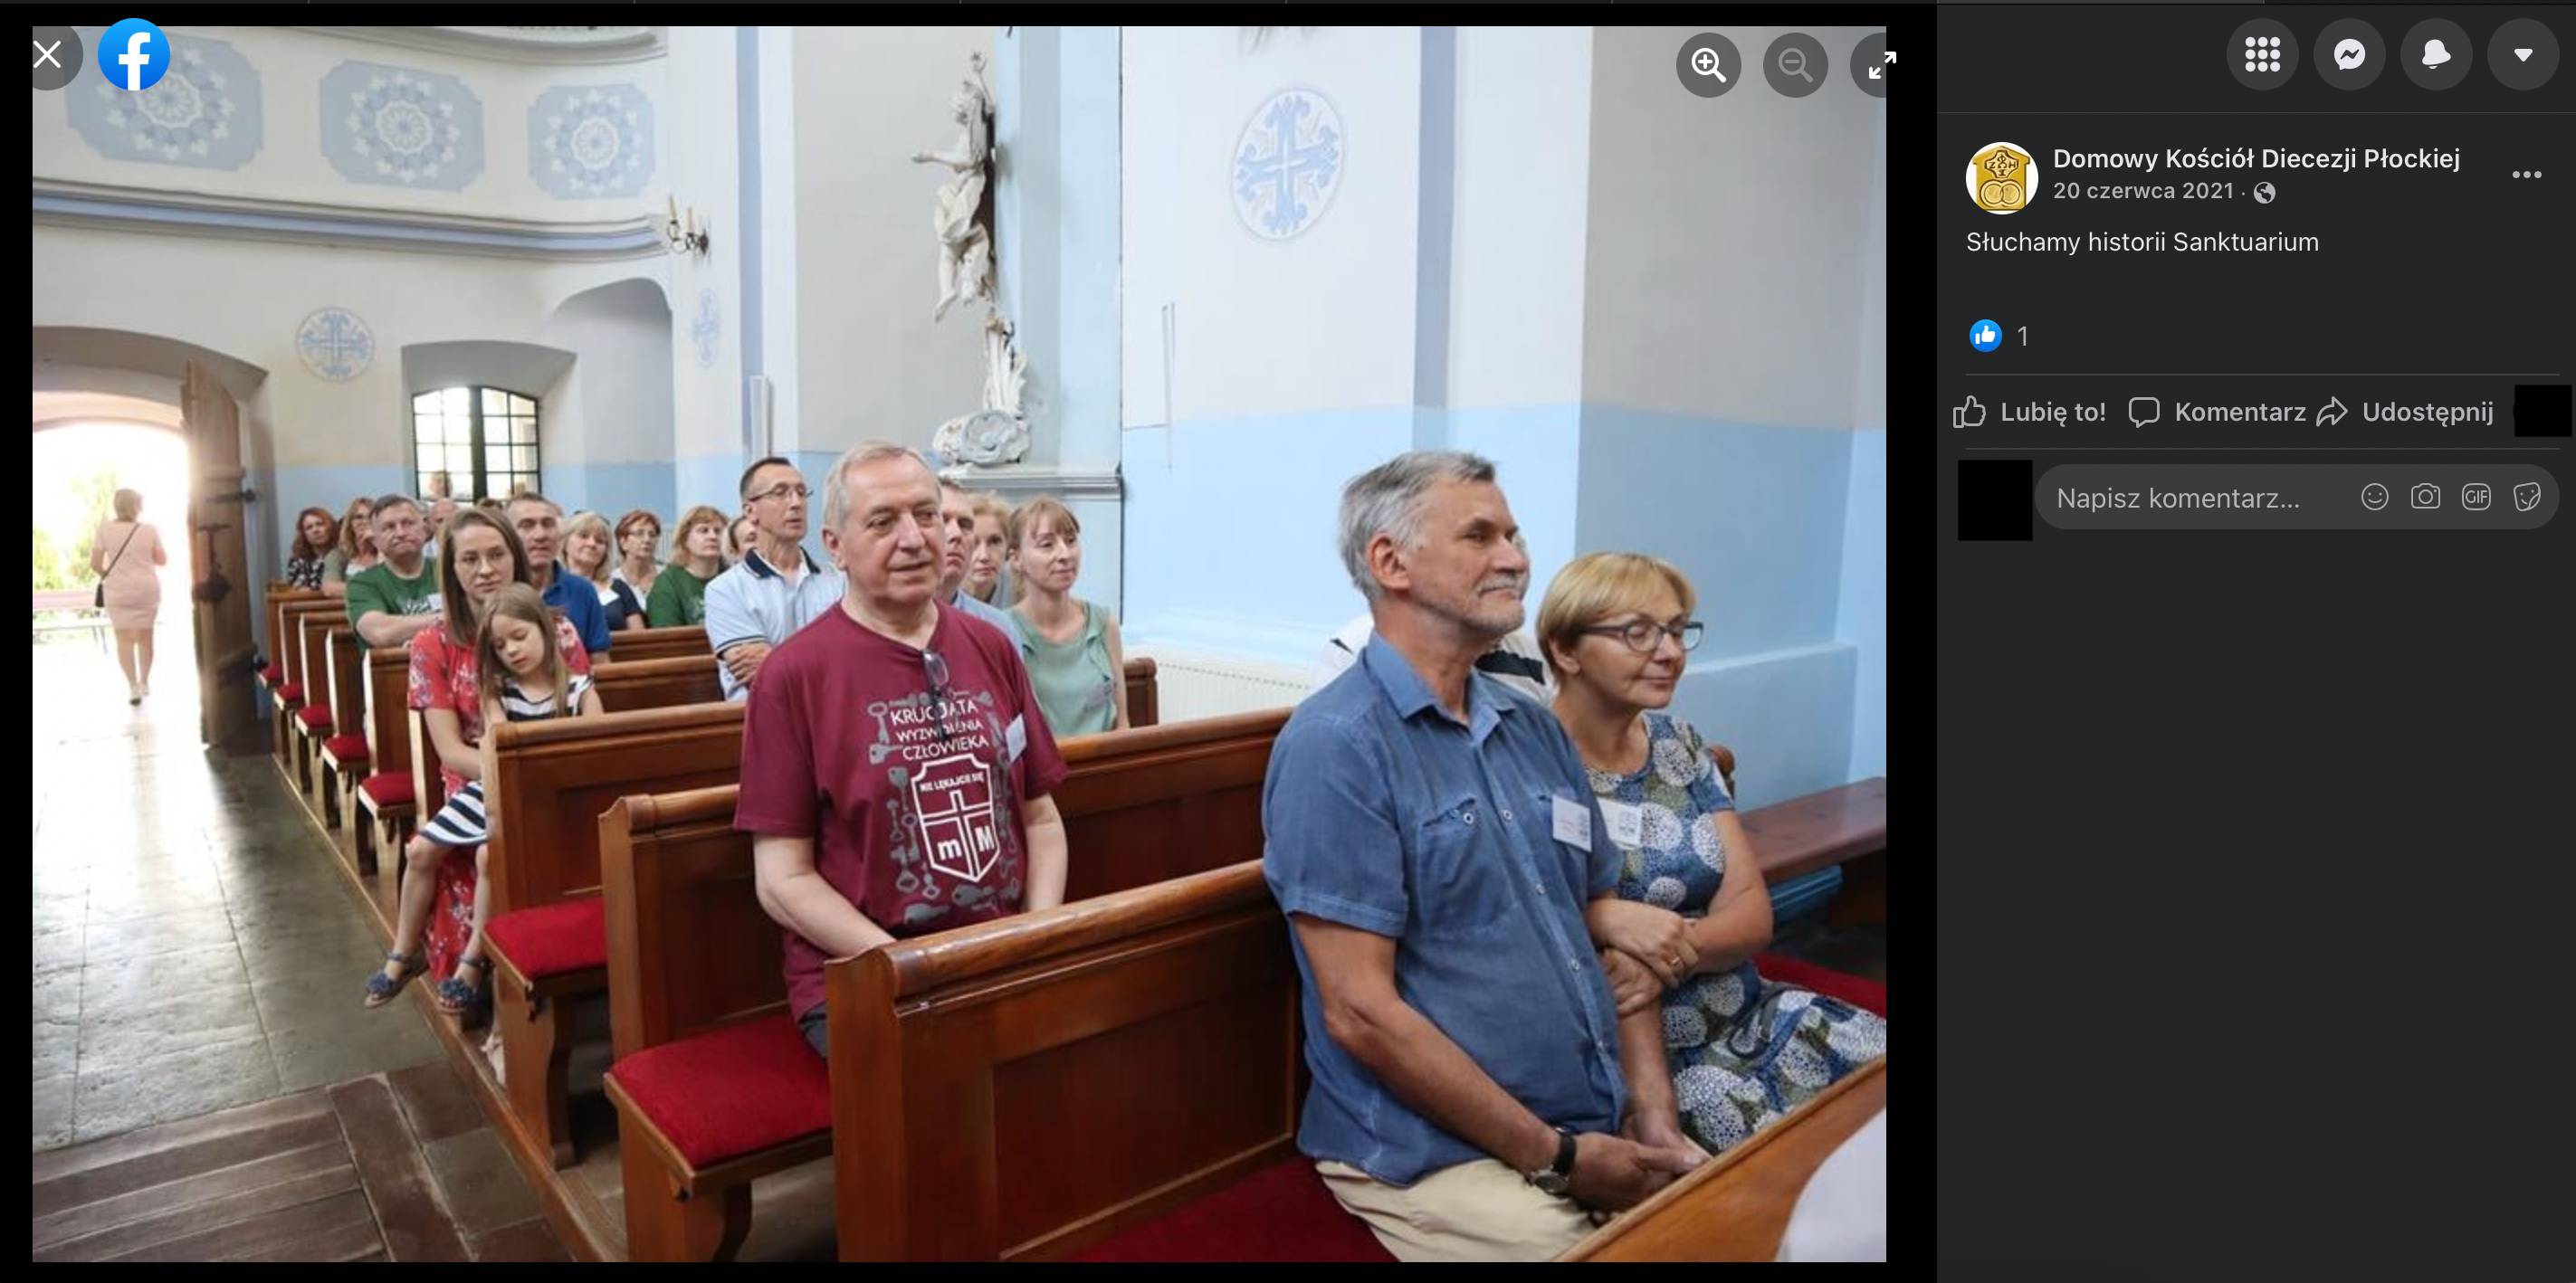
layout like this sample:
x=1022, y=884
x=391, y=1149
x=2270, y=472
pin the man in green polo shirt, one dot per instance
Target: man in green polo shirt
x=396, y=597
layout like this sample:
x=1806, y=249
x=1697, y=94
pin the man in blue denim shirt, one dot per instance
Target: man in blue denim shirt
x=1433, y=839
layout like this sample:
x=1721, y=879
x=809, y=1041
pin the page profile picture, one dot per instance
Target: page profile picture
x=2002, y=178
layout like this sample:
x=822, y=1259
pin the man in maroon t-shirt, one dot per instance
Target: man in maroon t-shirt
x=895, y=766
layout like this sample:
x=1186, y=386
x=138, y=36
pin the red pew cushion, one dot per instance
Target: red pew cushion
x=1868, y=995
x=387, y=789
x=346, y=750
x=1280, y=1213
x=737, y=1090
x=315, y=718
x=291, y=692
x=272, y=674
x=552, y=939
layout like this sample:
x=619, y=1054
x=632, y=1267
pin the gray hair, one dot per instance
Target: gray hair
x=836, y=488
x=1387, y=499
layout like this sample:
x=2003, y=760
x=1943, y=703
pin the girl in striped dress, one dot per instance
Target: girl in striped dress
x=523, y=676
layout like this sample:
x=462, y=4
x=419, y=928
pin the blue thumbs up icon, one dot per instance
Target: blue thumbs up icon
x=1985, y=336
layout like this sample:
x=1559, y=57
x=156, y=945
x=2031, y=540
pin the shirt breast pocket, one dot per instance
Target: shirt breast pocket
x=1459, y=885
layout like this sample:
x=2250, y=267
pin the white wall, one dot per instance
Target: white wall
x=869, y=361
x=1523, y=146
x=1323, y=321
x=291, y=165
x=706, y=401
x=619, y=335
x=1728, y=236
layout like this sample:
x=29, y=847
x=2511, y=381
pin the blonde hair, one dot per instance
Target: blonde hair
x=354, y=532
x=1597, y=585
x=520, y=601
x=129, y=504
x=1025, y=518
x=988, y=504
x=592, y=523
x=690, y=520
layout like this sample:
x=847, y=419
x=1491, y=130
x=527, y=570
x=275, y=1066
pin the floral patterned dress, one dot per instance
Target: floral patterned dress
x=1744, y=1050
x=443, y=676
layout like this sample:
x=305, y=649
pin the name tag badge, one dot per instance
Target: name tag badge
x=1573, y=823
x=1627, y=821
x=1015, y=737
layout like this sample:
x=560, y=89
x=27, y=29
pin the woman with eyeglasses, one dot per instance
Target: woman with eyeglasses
x=1692, y=910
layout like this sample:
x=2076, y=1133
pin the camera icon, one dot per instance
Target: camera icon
x=2476, y=496
x=2425, y=495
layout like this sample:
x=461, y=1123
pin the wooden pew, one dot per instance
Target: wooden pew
x=1144, y=708
x=343, y=754
x=290, y=695
x=314, y=722
x=1138, y=1050
x=548, y=944
x=690, y=952
x=659, y=643
x=626, y=684
x=385, y=795
x=279, y=597
x=1736, y=1207
x=1844, y=826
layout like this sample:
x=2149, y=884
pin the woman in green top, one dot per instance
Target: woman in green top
x=356, y=551
x=1070, y=645
x=679, y=597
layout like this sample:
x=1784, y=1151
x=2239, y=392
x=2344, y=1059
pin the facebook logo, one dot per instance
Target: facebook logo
x=1985, y=336
x=133, y=55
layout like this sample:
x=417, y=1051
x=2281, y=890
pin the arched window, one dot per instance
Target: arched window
x=483, y=441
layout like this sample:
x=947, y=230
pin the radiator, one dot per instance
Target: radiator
x=1191, y=684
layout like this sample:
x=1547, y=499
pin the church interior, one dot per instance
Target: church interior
x=1182, y=290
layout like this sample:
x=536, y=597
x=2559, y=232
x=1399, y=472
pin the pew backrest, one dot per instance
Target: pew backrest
x=626, y=684
x=1020, y=1089
x=689, y=947
x=278, y=600
x=289, y=641
x=552, y=781
x=343, y=672
x=388, y=718
x=659, y=643
x=1143, y=708
x=313, y=655
x=1153, y=803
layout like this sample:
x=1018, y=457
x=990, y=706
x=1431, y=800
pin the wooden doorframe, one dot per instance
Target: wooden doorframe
x=219, y=515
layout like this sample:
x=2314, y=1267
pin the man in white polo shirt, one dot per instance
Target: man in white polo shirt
x=776, y=588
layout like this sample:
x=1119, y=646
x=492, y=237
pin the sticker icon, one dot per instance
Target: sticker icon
x=2526, y=496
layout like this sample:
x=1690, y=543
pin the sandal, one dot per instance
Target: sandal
x=382, y=988
x=457, y=998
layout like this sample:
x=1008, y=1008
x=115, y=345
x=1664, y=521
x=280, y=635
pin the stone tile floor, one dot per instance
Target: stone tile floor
x=194, y=947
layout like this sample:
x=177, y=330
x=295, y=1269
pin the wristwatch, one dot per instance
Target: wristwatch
x=1557, y=1178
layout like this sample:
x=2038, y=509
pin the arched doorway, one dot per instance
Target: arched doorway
x=199, y=392
x=77, y=462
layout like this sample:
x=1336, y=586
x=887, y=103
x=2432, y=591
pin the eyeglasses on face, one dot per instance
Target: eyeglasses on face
x=1642, y=635
x=782, y=491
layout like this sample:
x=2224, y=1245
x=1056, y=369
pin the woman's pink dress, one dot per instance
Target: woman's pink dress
x=133, y=583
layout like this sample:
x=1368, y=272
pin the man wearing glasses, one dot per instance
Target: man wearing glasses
x=896, y=772
x=776, y=588
x=1434, y=842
